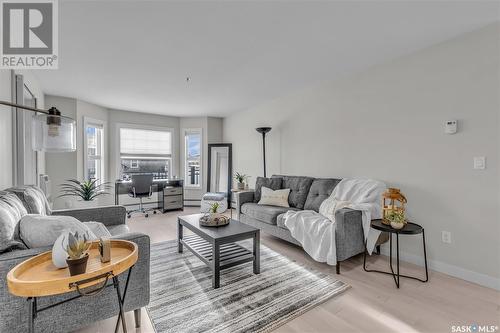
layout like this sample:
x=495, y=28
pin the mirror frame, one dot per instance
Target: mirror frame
x=229, y=167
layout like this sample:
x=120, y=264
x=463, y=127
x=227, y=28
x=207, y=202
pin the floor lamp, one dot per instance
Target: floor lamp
x=52, y=132
x=263, y=130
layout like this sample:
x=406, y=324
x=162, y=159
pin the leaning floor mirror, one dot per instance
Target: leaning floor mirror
x=220, y=169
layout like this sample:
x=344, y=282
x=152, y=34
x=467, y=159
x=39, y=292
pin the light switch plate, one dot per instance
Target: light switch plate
x=479, y=163
x=446, y=237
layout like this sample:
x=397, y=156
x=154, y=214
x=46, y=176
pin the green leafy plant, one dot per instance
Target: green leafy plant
x=78, y=245
x=214, y=207
x=396, y=217
x=240, y=177
x=87, y=190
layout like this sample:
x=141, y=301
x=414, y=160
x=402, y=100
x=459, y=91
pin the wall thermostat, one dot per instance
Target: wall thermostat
x=450, y=127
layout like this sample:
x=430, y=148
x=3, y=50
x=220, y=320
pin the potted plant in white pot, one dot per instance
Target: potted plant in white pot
x=85, y=192
x=396, y=219
x=240, y=179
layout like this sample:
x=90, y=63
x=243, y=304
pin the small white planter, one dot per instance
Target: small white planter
x=84, y=204
x=397, y=225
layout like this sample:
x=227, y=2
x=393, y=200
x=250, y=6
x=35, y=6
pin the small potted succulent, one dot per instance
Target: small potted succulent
x=78, y=253
x=240, y=178
x=396, y=219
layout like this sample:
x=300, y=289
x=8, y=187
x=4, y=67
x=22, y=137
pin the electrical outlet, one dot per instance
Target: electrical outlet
x=446, y=237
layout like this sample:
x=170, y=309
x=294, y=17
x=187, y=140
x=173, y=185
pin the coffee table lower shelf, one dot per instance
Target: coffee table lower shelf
x=227, y=255
x=230, y=254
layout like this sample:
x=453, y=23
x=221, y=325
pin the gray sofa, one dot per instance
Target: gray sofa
x=306, y=193
x=16, y=202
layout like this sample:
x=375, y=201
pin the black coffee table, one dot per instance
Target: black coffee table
x=409, y=229
x=215, y=245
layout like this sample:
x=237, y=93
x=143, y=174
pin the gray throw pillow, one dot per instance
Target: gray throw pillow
x=33, y=199
x=40, y=231
x=272, y=183
x=11, y=212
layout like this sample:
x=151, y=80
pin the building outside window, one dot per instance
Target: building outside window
x=193, y=148
x=94, y=149
x=144, y=150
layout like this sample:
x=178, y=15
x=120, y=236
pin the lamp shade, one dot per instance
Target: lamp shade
x=53, y=133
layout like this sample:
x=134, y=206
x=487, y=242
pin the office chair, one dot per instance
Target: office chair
x=142, y=187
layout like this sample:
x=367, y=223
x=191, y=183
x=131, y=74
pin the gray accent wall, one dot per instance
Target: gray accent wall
x=387, y=123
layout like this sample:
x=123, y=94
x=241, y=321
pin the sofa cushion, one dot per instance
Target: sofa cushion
x=41, y=230
x=272, y=183
x=321, y=188
x=299, y=188
x=263, y=213
x=33, y=199
x=118, y=229
x=11, y=212
x=98, y=229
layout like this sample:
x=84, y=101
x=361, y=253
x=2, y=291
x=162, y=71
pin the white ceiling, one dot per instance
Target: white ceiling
x=136, y=55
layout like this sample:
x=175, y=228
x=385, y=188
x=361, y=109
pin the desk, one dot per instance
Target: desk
x=160, y=186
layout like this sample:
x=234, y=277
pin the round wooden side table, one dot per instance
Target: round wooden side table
x=38, y=277
x=409, y=229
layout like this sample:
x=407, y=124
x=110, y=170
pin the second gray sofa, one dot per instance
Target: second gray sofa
x=306, y=193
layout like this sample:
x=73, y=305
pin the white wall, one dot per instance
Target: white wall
x=6, y=146
x=387, y=123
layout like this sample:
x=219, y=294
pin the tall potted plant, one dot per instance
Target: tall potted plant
x=85, y=192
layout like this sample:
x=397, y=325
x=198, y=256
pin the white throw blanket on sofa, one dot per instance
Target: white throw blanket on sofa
x=316, y=232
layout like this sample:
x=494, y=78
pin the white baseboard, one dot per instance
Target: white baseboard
x=455, y=271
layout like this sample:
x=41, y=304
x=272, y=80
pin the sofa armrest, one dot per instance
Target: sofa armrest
x=349, y=236
x=139, y=289
x=241, y=198
x=108, y=215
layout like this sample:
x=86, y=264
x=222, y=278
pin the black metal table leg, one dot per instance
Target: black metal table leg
x=32, y=309
x=396, y=275
x=121, y=300
x=397, y=257
x=425, y=257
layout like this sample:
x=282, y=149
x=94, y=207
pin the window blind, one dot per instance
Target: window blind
x=145, y=142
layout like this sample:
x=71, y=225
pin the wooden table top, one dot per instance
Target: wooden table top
x=38, y=276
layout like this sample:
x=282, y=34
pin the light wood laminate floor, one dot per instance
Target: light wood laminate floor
x=373, y=304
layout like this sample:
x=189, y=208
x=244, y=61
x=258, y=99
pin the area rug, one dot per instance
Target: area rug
x=183, y=300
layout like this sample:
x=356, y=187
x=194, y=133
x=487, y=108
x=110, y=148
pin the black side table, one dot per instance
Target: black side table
x=408, y=229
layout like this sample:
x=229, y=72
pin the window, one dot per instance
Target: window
x=192, y=153
x=145, y=150
x=94, y=149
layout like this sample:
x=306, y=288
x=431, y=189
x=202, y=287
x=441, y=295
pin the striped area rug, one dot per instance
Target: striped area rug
x=183, y=300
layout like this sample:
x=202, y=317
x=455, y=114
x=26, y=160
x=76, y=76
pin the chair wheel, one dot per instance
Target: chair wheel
x=128, y=216
x=154, y=211
x=147, y=215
